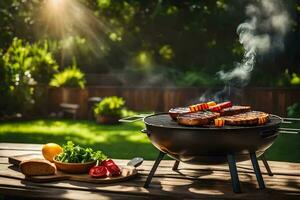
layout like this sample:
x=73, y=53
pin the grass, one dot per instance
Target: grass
x=118, y=141
x=287, y=146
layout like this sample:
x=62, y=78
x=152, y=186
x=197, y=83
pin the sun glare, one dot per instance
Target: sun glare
x=56, y=3
x=70, y=21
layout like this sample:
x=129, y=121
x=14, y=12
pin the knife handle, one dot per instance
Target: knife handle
x=135, y=162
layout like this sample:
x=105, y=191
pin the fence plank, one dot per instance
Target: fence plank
x=272, y=100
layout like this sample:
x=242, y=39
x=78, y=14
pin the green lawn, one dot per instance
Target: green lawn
x=287, y=146
x=118, y=141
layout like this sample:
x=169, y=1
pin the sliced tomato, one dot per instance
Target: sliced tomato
x=112, y=168
x=108, y=162
x=98, y=172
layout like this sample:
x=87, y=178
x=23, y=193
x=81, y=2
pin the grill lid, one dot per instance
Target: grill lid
x=165, y=121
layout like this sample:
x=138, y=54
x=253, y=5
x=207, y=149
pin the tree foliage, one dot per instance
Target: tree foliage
x=148, y=38
x=22, y=67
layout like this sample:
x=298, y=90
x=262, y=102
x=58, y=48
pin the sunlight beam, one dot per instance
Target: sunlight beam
x=56, y=3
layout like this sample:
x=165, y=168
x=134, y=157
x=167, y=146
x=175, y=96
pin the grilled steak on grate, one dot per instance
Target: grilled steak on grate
x=197, y=118
x=234, y=110
x=248, y=118
x=174, y=112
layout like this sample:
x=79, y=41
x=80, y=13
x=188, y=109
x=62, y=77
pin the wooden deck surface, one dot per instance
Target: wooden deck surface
x=189, y=182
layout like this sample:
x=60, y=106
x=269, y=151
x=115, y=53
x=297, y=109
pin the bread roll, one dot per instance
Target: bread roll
x=37, y=167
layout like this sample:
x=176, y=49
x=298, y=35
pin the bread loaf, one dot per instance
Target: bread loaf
x=37, y=167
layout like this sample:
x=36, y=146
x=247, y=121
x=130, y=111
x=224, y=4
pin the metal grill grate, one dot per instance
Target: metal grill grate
x=164, y=120
x=290, y=130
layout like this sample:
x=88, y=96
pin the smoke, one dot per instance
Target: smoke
x=263, y=32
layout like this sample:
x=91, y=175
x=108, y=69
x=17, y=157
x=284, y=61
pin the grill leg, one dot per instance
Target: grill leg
x=175, y=166
x=233, y=173
x=265, y=162
x=157, y=161
x=256, y=168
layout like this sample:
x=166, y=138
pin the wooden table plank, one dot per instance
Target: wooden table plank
x=8, y=153
x=161, y=188
x=55, y=193
x=209, y=184
x=21, y=146
x=32, y=148
x=278, y=168
x=189, y=182
x=190, y=176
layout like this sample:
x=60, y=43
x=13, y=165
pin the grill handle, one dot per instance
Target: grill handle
x=146, y=132
x=134, y=118
x=269, y=133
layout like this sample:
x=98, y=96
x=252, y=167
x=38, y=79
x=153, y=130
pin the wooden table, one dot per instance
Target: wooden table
x=189, y=182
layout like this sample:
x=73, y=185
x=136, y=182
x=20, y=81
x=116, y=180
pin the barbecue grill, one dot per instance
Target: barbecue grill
x=211, y=145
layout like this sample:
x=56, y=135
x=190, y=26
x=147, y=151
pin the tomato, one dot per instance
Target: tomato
x=98, y=172
x=108, y=162
x=112, y=168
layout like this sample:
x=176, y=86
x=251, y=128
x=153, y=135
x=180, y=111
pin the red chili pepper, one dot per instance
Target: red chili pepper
x=98, y=172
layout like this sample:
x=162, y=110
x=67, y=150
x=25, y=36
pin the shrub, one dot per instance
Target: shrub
x=23, y=66
x=295, y=80
x=293, y=110
x=30, y=63
x=110, y=106
x=192, y=78
x=70, y=77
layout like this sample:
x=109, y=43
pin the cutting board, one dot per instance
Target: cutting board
x=128, y=172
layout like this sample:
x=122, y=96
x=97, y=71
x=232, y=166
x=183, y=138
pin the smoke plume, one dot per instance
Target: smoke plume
x=263, y=32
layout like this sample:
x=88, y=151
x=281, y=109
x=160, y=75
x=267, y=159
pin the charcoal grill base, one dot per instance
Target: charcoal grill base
x=232, y=168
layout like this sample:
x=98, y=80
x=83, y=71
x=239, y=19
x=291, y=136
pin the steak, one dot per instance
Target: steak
x=197, y=118
x=234, y=110
x=248, y=118
x=174, y=112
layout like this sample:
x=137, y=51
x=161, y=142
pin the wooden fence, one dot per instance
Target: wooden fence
x=271, y=100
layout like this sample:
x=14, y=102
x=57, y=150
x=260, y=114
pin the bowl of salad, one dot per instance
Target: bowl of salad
x=77, y=160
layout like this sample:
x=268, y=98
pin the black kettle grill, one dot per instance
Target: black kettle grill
x=211, y=145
